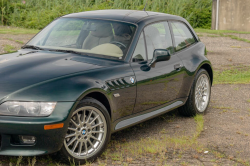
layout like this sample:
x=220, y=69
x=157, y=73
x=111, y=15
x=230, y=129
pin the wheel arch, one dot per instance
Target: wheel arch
x=101, y=97
x=209, y=69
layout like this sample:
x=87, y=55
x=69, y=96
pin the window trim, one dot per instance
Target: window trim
x=196, y=41
x=172, y=35
x=131, y=59
x=170, y=30
x=97, y=55
x=166, y=20
x=145, y=44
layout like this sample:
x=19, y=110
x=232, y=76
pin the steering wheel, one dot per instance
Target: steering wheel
x=118, y=43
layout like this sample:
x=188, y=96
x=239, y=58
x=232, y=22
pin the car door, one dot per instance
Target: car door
x=160, y=83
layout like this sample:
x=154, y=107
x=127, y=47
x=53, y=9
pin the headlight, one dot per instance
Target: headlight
x=27, y=108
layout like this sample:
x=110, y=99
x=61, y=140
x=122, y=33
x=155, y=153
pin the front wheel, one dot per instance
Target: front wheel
x=199, y=95
x=88, y=132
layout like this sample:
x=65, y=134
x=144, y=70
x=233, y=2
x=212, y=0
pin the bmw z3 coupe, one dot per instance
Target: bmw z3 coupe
x=87, y=75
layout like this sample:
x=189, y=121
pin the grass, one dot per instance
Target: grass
x=236, y=38
x=159, y=145
x=9, y=48
x=200, y=125
x=19, y=41
x=232, y=76
x=213, y=36
x=223, y=33
x=221, y=155
x=210, y=31
x=16, y=31
x=235, y=46
x=221, y=107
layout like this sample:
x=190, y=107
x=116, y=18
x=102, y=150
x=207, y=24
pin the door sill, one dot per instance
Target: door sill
x=149, y=115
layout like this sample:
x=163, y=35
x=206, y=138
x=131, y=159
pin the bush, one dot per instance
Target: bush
x=38, y=13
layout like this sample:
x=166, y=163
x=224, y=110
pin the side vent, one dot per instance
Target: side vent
x=119, y=83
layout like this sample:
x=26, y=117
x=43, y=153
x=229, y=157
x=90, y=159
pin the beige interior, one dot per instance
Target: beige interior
x=153, y=40
x=110, y=49
x=103, y=49
x=102, y=34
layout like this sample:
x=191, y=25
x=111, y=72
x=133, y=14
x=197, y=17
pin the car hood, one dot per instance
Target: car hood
x=27, y=67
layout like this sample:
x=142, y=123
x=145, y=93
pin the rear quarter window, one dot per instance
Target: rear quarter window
x=182, y=35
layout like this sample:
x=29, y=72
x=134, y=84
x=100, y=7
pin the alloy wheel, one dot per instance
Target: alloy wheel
x=202, y=92
x=86, y=132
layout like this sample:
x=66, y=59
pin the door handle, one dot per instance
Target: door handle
x=177, y=66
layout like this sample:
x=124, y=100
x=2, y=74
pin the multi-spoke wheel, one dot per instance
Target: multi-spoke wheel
x=88, y=131
x=199, y=96
x=202, y=92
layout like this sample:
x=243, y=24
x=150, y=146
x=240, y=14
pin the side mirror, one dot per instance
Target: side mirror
x=160, y=55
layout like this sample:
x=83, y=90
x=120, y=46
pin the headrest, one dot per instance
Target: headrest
x=102, y=30
x=152, y=32
x=121, y=29
x=154, y=35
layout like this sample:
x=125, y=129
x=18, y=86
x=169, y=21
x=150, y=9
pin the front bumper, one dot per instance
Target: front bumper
x=47, y=141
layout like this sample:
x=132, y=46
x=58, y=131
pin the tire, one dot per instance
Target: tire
x=93, y=122
x=193, y=105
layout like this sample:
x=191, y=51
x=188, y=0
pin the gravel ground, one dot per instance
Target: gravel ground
x=7, y=39
x=226, y=134
x=224, y=51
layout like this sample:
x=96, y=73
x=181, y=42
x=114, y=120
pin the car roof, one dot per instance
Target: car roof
x=132, y=16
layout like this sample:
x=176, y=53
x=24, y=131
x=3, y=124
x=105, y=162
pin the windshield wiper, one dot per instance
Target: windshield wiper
x=32, y=47
x=70, y=51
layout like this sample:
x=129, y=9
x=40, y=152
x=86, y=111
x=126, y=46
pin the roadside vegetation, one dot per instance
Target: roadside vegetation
x=38, y=13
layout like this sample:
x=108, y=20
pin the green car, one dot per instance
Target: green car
x=87, y=75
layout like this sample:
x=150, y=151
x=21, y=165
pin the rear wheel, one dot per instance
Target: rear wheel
x=88, y=132
x=199, y=95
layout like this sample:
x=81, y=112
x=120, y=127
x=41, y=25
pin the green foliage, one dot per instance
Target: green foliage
x=38, y=13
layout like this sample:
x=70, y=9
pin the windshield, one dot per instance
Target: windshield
x=94, y=37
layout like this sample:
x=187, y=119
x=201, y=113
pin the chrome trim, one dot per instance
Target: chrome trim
x=139, y=118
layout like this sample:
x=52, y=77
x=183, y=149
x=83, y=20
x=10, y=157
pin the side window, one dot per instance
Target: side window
x=158, y=36
x=140, y=51
x=182, y=35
